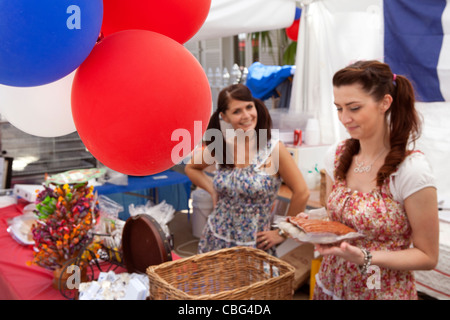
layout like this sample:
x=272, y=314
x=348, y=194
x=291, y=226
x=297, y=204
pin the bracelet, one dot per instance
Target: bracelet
x=367, y=261
x=283, y=233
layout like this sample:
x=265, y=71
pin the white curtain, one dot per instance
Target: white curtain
x=231, y=17
x=333, y=33
x=435, y=143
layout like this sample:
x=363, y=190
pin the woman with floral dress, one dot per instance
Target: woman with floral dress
x=251, y=164
x=380, y=187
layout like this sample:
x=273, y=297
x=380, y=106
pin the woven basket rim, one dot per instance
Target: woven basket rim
x=289, y=272
x=200, y=256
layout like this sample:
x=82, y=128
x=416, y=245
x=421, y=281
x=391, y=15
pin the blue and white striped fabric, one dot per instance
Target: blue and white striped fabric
x=417, y=45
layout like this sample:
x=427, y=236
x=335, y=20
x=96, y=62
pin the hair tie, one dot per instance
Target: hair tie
x=394, y=76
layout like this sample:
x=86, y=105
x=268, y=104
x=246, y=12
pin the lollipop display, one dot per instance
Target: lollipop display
x=66, y=215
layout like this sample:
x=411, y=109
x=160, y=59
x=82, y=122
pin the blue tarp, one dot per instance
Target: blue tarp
x=263, y=80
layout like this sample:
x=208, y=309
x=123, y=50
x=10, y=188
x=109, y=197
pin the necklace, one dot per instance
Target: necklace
x=361, y=168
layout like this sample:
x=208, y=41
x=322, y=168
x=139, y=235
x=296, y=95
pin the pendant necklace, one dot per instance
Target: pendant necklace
x=361, y=168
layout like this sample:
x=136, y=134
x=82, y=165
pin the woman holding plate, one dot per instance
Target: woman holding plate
x=378, y=184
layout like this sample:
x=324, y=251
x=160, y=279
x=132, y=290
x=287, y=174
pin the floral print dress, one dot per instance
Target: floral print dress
x=384, y=223
x=245, y=198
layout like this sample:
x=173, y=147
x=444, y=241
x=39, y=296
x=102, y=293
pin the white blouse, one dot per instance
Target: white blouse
x=414, y=173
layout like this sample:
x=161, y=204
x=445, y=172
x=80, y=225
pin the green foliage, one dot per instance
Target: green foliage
x=287, y=48
x=290, y=53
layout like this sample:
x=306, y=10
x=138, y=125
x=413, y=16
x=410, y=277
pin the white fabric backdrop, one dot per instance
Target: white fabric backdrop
x=231, y=17
x=332, y=35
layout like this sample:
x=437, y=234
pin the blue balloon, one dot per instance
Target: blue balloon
x=42, y=41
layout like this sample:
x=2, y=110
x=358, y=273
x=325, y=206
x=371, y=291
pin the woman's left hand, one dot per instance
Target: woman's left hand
x=343, y=250
x=267, y=239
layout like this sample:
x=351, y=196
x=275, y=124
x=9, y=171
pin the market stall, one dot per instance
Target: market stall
x=137, y=143
x=21, y=279
x=63, y=226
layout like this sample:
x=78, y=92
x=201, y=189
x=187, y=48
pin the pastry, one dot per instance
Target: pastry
x=320, y=226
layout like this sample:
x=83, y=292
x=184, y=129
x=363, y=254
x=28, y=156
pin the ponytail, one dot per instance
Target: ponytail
x=214, y=123
x=404, y=125
x=264, y=121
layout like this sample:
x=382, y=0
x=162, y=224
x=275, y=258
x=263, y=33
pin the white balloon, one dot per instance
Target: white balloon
x=43, y=111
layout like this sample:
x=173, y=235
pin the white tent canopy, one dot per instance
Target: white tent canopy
x=332, y=35
x=231, y=17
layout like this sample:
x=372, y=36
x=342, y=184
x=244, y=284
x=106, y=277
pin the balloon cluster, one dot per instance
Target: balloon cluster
x=66, y=214
x=115, y=71
x=41, y=44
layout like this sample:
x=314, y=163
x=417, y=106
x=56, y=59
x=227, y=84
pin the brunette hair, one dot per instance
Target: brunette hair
x=242, y=93
x=404, y=125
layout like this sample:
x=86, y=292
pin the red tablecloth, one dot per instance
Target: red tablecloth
x=17, y=279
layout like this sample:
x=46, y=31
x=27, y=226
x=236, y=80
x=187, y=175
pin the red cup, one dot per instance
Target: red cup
x=298, y=137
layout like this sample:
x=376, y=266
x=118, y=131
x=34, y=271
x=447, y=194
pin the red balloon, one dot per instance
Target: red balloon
x=177, y=19
x=292, y=31
x=129, y=96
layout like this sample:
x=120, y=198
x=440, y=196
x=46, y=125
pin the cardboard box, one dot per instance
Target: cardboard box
x=308, y=157
x=300, y=258
x=27, y=191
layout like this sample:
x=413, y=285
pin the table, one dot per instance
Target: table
x=136, y=183
x=165, y=178
x=18, y=280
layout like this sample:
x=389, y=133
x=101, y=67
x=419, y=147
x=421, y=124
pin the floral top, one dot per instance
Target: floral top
x=245, y=198
x=385, y=226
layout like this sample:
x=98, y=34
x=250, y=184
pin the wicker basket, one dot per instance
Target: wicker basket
x=238, y=273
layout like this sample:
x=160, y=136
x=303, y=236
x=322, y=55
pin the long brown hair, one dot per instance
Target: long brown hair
x=242, y=93
x=404, y=124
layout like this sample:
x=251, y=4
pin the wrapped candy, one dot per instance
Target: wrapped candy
x=66, y=214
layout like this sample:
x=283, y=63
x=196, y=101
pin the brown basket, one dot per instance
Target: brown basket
x=238, y=273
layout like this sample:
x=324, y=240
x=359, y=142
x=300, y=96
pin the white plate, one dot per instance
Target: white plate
x=20, y=228
x=319, y=238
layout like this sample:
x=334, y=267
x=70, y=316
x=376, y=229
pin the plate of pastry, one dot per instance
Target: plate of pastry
x=318, y=230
